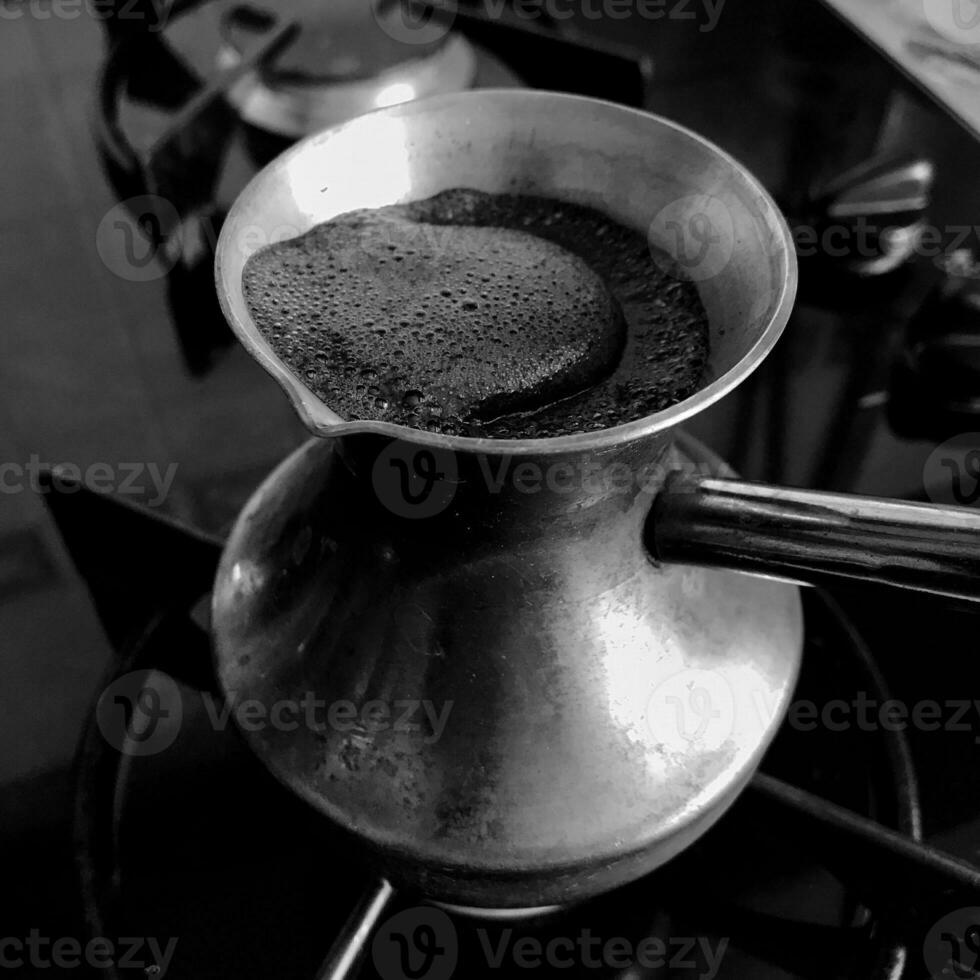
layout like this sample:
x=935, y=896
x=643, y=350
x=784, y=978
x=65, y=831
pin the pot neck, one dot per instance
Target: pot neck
x=424, y=491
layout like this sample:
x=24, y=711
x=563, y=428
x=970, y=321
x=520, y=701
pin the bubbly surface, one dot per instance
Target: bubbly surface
x=479, y=314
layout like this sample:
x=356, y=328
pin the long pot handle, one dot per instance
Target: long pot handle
x=807, y=534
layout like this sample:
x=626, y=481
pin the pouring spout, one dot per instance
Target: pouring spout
x=802, y=534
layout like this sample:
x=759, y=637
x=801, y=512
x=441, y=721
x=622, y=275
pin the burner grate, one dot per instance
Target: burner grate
x=797, y=881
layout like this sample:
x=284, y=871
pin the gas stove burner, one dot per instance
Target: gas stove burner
x=345, y=60
x=256, y=883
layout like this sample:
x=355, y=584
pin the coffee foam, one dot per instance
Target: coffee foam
x=480, y=314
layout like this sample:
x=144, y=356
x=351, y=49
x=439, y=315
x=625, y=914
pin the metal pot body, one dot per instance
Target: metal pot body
x=487, y=679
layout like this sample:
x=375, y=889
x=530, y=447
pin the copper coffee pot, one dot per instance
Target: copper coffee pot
x=559, y=634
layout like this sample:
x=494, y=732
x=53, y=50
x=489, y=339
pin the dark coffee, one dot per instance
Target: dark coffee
x=481, y=314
